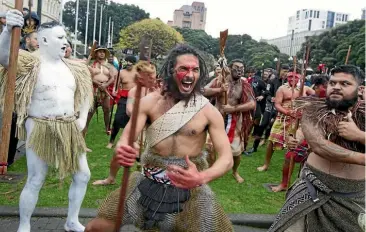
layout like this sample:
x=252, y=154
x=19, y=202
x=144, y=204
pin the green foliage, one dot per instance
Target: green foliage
x=163, y=36
x=243, y=47
x=331, y=47
x=121, y=14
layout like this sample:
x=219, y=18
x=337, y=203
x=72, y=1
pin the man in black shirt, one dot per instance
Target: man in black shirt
x=260, y=90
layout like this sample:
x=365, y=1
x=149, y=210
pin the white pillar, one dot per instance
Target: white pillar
x=76, y=25
x=95, y=19
x=86, y=27
x=100, y=24
x=61, y=10
x=112, y=34
x=109, y=32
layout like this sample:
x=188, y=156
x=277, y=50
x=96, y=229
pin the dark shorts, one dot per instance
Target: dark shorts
x=121, y=118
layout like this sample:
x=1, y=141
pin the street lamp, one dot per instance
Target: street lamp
x=275, y=59
x=290, y=59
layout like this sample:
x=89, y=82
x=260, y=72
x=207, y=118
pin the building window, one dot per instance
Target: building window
x=186, y=24
x=317, y=14
x=339, y=17
x=306, y=14
x=346, y=18
x=343, y=18
x=311, y=13
x=298, y=15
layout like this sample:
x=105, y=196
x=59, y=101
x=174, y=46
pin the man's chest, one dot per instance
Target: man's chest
x=55, y=78
x=235, y=91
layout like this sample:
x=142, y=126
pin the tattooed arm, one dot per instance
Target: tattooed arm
x=326, y=149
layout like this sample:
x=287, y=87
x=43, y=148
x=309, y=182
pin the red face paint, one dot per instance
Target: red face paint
x=182, y=71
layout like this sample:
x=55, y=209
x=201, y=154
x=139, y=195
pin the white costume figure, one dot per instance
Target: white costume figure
x=52, y=99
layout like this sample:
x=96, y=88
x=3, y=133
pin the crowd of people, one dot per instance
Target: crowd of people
x=318, y=119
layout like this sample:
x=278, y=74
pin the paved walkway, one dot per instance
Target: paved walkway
x=56, y=224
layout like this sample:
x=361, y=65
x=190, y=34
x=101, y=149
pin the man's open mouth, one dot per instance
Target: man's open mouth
x=187, y=85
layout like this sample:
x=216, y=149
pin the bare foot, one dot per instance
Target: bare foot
x=278, y=188
x=238, y=178
x=104, y=182
x=88, y=150
x=263, y=168
x=109, y=146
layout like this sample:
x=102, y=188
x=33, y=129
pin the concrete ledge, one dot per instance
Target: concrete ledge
x=252, y=220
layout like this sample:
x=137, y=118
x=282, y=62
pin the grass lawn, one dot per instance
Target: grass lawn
x=248, y=197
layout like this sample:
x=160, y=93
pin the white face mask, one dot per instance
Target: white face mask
x=53, y=42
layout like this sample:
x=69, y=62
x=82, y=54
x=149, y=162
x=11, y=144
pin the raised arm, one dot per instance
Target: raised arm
x=216, y=129
x=14, y=18
x=326, y=149
x=210, y=91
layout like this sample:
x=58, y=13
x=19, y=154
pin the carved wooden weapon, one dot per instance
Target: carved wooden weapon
x=223, y=38
x=145, y=44
x=10, y=93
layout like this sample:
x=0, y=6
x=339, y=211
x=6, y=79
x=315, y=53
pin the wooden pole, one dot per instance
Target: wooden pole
x=145, y=45
x=223, y=38
x=348, y=53
x=10, y=93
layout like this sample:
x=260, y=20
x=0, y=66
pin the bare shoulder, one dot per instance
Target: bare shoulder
x=148, y=102
x=212, y=114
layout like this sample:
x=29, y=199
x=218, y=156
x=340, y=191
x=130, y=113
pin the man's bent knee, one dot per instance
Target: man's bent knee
x=100, y=225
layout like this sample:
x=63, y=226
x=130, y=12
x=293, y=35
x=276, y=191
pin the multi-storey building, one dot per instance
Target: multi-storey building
x=314, y=19
x=190, y=16
x=50, y=8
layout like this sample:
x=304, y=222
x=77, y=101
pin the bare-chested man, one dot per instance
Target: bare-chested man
x=237, y=112
x=171, y=193
x=286, y=116
x=125, y=83
x=330, y=194
x=103, y=75
x=146, y=81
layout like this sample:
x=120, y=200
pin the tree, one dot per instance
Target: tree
x=243, y=47
x=121, y=14
x=331, y=47
x=163, y=36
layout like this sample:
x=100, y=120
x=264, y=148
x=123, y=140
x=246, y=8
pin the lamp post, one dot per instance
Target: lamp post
x=95, y=19
x=86, y=27
x=100, y=23
x=76, y=26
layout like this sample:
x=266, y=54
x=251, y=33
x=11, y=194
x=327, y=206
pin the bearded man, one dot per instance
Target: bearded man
x=103, y=76
x=125, y=83
x=283, y=125
x=171, y=193
x=330, y=194
x=51, y=115
x=238, y=111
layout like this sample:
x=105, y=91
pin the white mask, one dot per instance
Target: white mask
x=52, y=42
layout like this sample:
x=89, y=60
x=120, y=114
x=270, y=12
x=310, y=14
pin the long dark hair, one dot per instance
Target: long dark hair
x=167, y=72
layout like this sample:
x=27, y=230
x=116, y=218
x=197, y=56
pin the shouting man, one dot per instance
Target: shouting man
x=51, y=115
x=330, y=194
x=237, y=112
x=286, y=116
x=125, y=83
x=103, y=76
x=171, y=193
